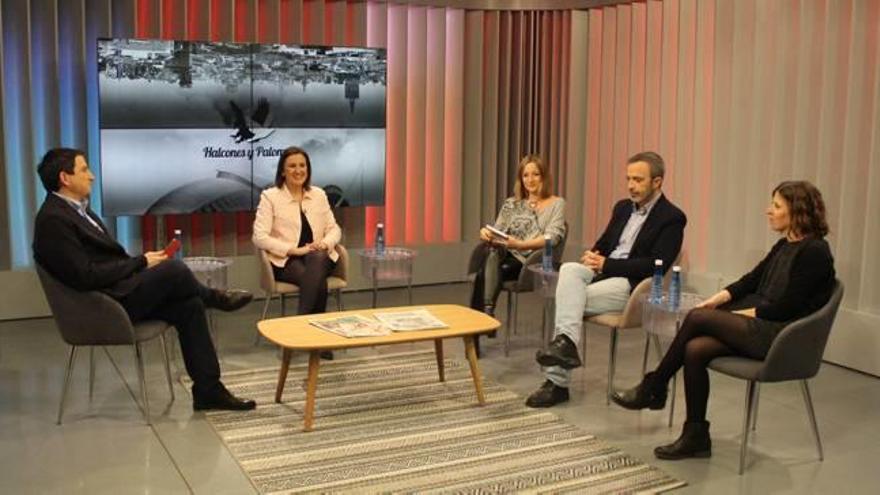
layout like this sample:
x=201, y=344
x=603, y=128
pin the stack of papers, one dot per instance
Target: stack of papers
x=352, y=326
x=381, y=323
x=405, y=321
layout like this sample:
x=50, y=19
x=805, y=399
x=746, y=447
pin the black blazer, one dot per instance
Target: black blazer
x=660, y=237
x=78, y=254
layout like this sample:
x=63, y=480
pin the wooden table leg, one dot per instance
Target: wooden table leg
x=471, y=352
x=438, y=350
x=311, y=387
x=282, y=374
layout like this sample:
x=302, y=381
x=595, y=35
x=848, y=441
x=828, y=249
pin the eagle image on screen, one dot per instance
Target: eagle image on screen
x=189, y=127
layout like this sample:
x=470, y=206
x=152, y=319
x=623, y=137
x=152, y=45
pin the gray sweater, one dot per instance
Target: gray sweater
x=524, y=223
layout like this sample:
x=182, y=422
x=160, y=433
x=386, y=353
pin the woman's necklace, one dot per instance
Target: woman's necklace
x=533, y=203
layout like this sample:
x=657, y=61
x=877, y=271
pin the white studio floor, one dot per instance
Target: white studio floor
x=105, y=447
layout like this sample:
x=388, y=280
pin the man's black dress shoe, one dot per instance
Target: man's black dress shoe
x=229, y=300
x=223, y=400
x=548, y=395
x=561, y=352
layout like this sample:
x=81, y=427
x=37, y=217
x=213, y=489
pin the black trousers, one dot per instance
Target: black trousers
x=170, y=292
x=310, y=274
x=496, y=265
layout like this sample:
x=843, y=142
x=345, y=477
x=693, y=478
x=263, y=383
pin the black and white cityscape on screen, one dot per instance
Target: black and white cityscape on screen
x=190, y=127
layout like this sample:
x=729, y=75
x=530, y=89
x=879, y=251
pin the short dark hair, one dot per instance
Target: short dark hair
x=653, y=159
x=805, y=207
x=54, y=162
x=279, y=173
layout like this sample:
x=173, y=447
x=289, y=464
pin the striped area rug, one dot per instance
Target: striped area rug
x=386, y=424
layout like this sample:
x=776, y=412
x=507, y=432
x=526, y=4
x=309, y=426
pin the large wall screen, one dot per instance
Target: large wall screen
x=190, y=127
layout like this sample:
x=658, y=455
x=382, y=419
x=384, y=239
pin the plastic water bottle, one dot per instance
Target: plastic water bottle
x=547, y=260
x=178, y=235
x=675, y=289
x=657, y=283
x=380, y=239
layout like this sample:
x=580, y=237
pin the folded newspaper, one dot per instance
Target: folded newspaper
x=352, y=326
x=405, y=321
x=500, y=234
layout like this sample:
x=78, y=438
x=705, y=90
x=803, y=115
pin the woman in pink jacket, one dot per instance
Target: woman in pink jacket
x=298, y=231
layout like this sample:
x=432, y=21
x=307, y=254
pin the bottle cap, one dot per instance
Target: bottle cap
x=546, y=237
x=658, y=262
x=676, y=268
x=380, y=225
x=177, y=232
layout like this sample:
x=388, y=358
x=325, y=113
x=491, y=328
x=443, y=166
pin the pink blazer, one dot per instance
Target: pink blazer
x=277, y=225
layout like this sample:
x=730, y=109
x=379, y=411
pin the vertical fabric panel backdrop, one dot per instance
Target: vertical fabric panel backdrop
x=736, y=95
x=518, y=71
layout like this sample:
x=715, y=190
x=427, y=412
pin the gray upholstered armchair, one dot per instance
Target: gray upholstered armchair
x=796, y=354
x=92, y=318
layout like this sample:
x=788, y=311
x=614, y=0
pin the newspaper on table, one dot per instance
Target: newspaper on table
x=405, y=321
x=351, y=326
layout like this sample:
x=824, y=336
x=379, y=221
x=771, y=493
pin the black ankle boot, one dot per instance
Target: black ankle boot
x=489, y=309
x=693, y=442
x=650, y=393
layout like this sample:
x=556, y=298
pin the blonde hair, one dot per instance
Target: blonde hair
x=519, y=190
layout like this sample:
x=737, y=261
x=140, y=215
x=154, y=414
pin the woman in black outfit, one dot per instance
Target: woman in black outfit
x=796, y=278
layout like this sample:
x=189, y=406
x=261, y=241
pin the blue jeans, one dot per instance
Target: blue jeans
x=577, y=296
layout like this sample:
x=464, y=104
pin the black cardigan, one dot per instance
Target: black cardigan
x=811, y=280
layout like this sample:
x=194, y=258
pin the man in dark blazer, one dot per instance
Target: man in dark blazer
x=643, y=228
x=72, y=243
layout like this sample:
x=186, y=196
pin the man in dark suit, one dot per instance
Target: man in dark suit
x=643, y=228
x=72, y=244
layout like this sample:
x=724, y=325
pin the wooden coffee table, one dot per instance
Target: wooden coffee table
x=296, y=334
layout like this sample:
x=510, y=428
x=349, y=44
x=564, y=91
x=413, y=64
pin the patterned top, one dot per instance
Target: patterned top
x=522, y=222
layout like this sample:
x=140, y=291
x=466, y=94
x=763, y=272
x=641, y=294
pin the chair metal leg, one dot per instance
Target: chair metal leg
x=138, y=356
x=71, y=358
x=283, y=305
x=91, y=372
x=339, y=306
x=544, y=329
x=515, y=311
x=167, y=364
x=657, y=346
x=645, y=355
x=755, y=406
x=583, y=345
x=508, y=329
x=747, y=421
x=612, y=355
x=672, y=400
x=263, y=316
x=808, y=400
